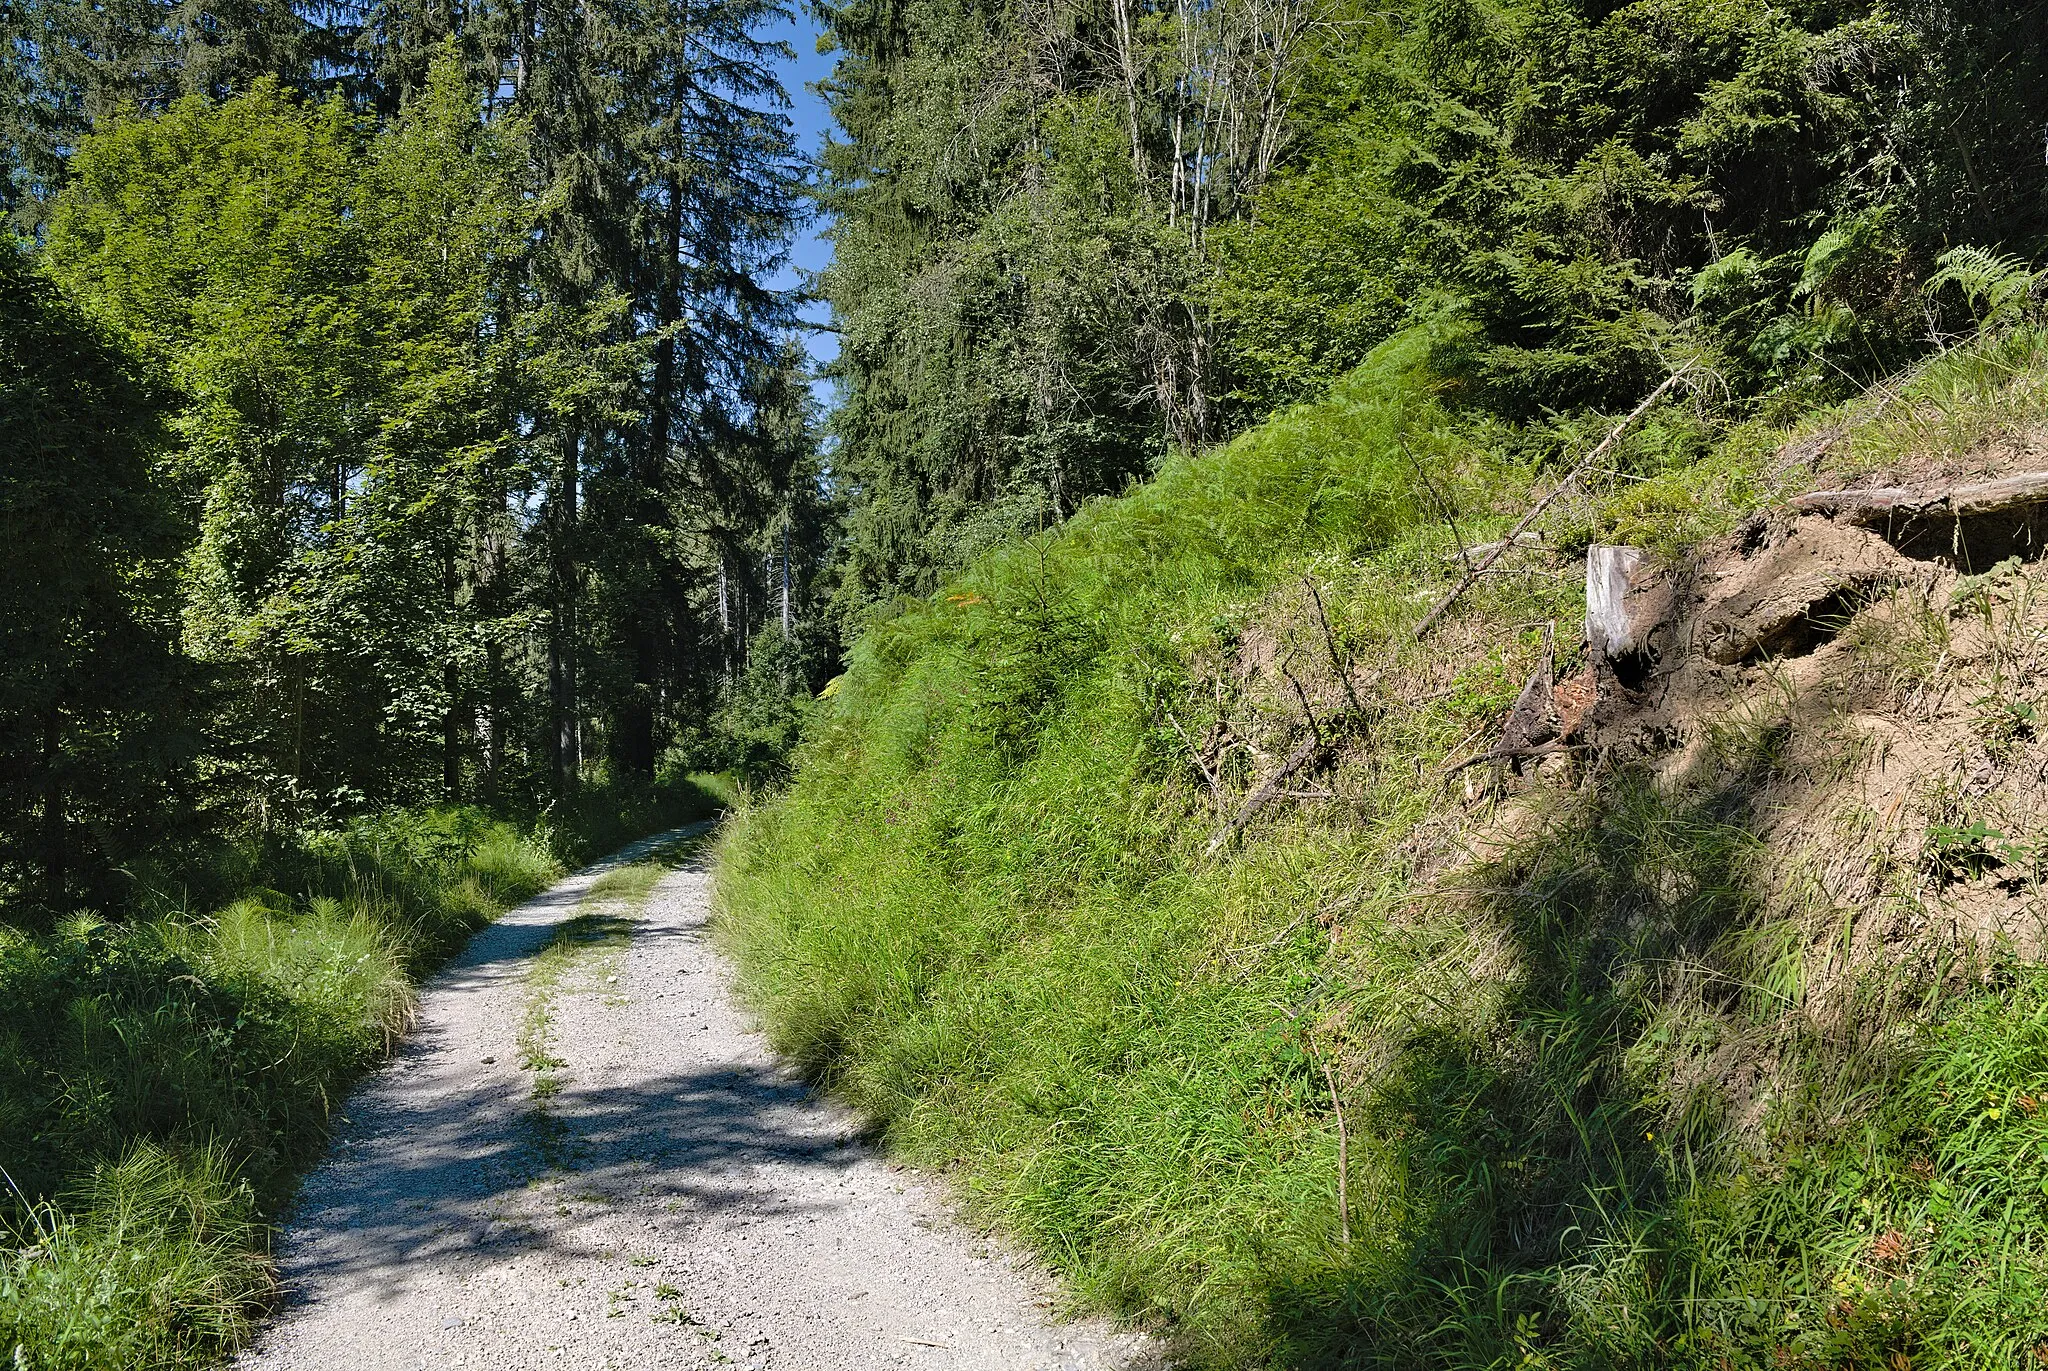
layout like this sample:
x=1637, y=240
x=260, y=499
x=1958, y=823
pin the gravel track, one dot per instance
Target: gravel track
x=682, y=1201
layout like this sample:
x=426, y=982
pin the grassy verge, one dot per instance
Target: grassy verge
x=1407, y=1077
x=164, y=1081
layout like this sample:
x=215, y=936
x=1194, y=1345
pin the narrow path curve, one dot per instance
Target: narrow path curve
x=680, y=1201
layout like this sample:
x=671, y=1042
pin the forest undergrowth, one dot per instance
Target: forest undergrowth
x=1424, y=1068
x=166, y=1079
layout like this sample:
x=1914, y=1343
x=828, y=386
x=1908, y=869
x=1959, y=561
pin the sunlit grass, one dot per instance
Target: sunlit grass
x=1599, y=1110
x=163, y=1083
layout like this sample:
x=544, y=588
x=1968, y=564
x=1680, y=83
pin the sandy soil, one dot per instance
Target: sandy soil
x=681, y=1202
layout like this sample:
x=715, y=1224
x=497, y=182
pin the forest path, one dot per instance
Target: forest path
x=659, y=1193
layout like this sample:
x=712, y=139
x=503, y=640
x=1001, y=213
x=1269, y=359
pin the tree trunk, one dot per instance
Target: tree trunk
x=635, y=739
x=451, y=734
x=566, y=741
x=451, y=689
x=55, y=872
x=494, y=722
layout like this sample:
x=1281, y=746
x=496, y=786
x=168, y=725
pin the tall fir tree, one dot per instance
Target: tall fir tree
x=96, y=735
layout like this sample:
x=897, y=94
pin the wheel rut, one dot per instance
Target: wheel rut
x=670, y=1196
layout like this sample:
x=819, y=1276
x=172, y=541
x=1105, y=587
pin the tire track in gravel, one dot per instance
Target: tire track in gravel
x=678, y=1200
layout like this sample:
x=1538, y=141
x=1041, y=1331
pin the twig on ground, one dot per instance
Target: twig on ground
x=1888, y=389
x=1466, y=554
x=1215, y=786
x=1302, y=695
x=1442, y=507
x=1337, y=663
x=1301, y=756
x=1343, y=1157
x=1536, y=511
x=1508, y=754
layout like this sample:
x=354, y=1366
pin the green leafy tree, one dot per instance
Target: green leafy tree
x=1022, y=201
x=368, y=377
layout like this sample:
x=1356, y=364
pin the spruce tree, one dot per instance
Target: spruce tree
x=95, y=743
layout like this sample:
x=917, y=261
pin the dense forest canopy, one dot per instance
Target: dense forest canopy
x=473, y=441
x=483, y=453
x=1072, y=237
x=490, y=450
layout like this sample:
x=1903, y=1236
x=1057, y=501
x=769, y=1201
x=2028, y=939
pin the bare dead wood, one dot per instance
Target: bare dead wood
x=1338, y=664
x=1605, y=446
x=1466, y=554
x=1529, y=721
x=1343, y=1157
x=1612, y=630
x=1510, y=754
x=1443, y=507
x=1884, y=504
x=1808, y=451
x=1301, y=696
x=1215, y=785
x=1312, y=750
x=1324, y=733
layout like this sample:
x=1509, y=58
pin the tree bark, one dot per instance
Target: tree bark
x=1879, y=506
x=635, y=742
x=451, y=734
x=566, y=741
x=494, y=722
x=55, y=868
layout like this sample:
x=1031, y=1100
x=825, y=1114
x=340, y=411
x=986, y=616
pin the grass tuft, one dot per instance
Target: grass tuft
x=164, y=1082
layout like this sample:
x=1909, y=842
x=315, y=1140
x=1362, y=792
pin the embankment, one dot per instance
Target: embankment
x=1709, y=1034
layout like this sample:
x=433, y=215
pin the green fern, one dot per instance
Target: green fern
x=1999, y=288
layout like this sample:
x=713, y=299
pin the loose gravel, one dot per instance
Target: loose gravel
x=680, y=1201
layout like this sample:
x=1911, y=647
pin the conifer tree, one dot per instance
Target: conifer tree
x=95, y=748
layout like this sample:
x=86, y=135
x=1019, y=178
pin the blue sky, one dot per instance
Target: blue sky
x=807, y=113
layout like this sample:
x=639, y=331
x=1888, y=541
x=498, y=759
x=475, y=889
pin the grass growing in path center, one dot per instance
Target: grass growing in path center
x=584, y=952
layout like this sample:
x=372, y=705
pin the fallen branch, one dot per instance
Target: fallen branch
x=1337, y=663
x=1442, y=506
x=1215, y=785
x=1536, y=511
x=1466, y=554
x=1883, y=504
x=1510, y=754
x=1343, y=1157
x=1312, y=750
x=1887, y=388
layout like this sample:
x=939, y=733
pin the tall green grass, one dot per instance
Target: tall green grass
x=1590, y=1116
x=164, y=1081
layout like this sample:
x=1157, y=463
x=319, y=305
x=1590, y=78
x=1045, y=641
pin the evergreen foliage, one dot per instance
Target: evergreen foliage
x=96, y=702
x=1073, y=237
